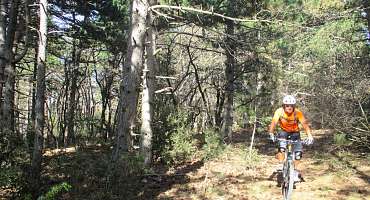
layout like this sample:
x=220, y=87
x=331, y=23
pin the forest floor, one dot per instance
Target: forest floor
x=331, y=172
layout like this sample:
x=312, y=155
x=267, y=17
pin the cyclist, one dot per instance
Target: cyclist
x=288, y=117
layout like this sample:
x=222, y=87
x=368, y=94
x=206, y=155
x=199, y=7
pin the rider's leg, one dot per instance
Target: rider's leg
x=298, y=148
x=282, y=146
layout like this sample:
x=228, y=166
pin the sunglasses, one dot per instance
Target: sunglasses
x=289, y=105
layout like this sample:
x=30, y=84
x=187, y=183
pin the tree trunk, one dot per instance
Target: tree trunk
x=63, y=116
x=220, y=100
x=105, y=86
x=127, y=106
x=257, y=104
x=3, y=49
x=72, y=98
x=230, y=74
x=147, y=95
x=8, y=90
x=40, y=101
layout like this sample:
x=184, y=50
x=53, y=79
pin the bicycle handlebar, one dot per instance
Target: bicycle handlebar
x=287, y=140
x=292, y=141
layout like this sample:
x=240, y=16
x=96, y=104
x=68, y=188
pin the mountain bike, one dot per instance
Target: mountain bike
x=288, y=169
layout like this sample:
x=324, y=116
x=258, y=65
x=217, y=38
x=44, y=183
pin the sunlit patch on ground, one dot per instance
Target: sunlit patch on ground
x=228, y=177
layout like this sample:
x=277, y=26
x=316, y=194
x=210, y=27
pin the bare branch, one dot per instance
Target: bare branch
x=153, y=8
x=166, y=77
x=163, y=90
x=363, y=112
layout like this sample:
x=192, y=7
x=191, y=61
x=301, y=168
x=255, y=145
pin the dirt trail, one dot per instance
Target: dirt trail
x=330, y=173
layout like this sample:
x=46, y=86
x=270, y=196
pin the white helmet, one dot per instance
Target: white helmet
x=289, y=99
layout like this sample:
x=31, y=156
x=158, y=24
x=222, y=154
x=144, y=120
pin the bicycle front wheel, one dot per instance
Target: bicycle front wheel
x=287, y=186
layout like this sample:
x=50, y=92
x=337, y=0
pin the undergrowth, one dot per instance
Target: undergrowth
x=186, y=144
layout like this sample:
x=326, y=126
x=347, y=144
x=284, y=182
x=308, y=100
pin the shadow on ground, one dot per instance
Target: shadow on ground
x=86, y=171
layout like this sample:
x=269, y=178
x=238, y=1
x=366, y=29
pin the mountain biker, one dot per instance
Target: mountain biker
x=288, y=117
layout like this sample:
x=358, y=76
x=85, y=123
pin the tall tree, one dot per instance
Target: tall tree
x=127, y=107
x=40, y=101
x=13, y=28
x=148, y=88
x=3, y=19
x=230, y=51
x=76, y=54
x=7, y=119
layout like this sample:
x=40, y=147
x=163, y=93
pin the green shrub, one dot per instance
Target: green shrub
x=12, y=176
x=55, y=191
x=340, y=139
x=9, y=175
x=213, y=145
x=130, y=164
x=181, y=148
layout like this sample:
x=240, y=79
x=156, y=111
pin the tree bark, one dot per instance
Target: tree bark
x=76, y=54
x=3, y=59
x=220, y=100
x=40, y=101
x=9, y=71
x=148, y=91
x=127, y=106
x=230, y=74
x=105, y=86
x=63, y=115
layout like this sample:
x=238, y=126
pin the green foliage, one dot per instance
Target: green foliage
x=181, y=146
x=330, y=40
x=213, y=144
x=134, y=164
x=340, y=139
x=264, y=122
x=55, y=191
x=183, y=3
x=120, y=4
x=10, y=176
x=319, y=6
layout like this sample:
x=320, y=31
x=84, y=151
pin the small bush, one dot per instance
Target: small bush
x=213, y=145
x=55, y=191
x=131, y=164
x=181, y=148
x=9, y=176
x=340, y=139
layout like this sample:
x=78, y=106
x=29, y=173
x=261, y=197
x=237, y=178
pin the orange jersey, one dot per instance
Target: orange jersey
x=289, y=123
